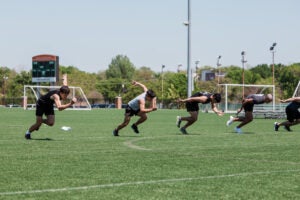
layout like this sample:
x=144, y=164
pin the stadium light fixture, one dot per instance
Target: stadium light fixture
x=243, y=53
x=272, y=49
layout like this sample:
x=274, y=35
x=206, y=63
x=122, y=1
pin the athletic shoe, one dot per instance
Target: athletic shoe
x=27, y=135
x=183, y=131
x=238, y=130
x=276, y=126
x=178, y=121
x=287, y=128
x=229, y=122
x=115, y=132
x=135, y=128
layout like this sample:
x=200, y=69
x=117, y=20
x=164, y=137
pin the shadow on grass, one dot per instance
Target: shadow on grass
x=43, y=139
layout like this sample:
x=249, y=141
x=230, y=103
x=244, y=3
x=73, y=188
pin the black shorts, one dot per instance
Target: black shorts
x=249, y=107
x=44, y=109
x=292, y=114
x=130, y=111
x=192, y=106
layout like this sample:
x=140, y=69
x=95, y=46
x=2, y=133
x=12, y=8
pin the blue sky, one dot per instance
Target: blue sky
x=88, y=34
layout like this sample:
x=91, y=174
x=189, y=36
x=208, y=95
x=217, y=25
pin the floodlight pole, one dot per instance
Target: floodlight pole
x=243, y=53
x=273, y=71
x=273, y=54
x=4, y=88
x=218, y=66
x=162, y=85
x=189, y=72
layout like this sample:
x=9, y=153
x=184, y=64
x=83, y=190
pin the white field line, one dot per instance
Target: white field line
x=111, y=185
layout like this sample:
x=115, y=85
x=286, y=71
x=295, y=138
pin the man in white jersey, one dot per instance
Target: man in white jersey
x=248, y=104
x=137, y=107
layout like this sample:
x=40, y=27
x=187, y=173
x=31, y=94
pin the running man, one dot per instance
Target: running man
x=137, y=106
x=248, y=104
x=44, y=105
x=292, y=113
x=193, y=108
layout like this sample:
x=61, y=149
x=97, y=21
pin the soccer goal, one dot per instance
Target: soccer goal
x=33, y=92
x=234, y=93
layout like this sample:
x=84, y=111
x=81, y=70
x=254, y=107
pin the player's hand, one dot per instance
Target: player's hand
x=154, y=109
x=74, y=100
x=282, y=101
x=133, y=82
x=220, y=113
x=179, y=100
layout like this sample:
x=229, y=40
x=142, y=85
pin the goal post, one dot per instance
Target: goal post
x=233, y=94
x=33, y=92
x=297, y=90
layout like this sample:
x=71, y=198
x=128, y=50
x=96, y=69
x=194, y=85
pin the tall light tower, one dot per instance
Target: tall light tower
x=189, y=72
x=273, y=54
x=243, y=53
x=162, y=85
x=273, y=71
x=218, y=66
x=4, y=89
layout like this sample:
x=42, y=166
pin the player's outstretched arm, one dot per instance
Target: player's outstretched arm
x=61, y=107
x=290, y=100
x=140, y=84
x=215, y=109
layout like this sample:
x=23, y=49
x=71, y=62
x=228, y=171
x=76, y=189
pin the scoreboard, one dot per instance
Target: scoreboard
x=45, y=68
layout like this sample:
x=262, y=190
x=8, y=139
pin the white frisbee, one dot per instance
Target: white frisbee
x=65, y=128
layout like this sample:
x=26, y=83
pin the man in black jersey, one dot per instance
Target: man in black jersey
x=248, y=104
x=193, y=108
x=44, y=106
x=292, y=113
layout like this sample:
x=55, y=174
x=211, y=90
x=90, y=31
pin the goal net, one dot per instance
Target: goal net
x=33, y=92
x=234, y=93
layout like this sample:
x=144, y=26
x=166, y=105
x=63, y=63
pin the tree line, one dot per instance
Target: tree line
x=104, y=86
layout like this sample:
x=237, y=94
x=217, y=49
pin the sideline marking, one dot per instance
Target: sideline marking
x=130, y=144
x=145, y=182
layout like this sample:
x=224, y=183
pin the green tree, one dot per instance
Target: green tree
x=120, y=67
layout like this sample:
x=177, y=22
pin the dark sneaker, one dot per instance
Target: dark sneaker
x=178, y=121
x=276, y=126
x=135, y=128
x=115, y=132
x=183, y=131
x=27, y=136
x=287, y=128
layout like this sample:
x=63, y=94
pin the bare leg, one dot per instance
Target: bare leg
x=248, y=118
x=50, y=120
x=38, y=123
x=143, y=117
x=191, y=119
x=125, y=122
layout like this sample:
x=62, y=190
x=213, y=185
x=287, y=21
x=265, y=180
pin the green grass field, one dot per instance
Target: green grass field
x=212, y=162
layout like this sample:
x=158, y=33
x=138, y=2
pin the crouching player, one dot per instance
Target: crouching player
x=44, y=106
x=137, y=106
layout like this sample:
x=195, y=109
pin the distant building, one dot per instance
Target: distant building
x=207, y=75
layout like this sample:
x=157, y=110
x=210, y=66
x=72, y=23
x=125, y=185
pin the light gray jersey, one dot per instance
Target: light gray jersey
x=134, y=103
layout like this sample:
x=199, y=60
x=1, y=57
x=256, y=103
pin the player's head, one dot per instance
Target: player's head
x=64, y=91
x=268, y=98
x=150, y=94
x=217, y=97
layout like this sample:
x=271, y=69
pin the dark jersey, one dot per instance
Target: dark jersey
x=193, y=106
x=200, y=94
x=44, y=104
x=46, y=100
